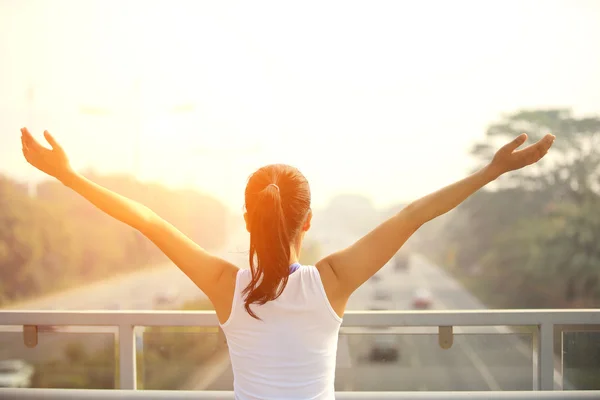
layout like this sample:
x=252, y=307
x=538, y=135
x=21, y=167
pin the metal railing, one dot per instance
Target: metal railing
x=61, y=394
x=445, y=321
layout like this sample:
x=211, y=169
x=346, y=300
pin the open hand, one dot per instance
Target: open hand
x=508, y=158
x=53, y=162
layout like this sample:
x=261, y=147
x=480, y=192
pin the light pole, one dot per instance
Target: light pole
x=30, y=99
x=137, y=109
x=30, y=103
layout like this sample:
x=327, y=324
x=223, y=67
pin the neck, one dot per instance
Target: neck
x=293, y=255
x=295, y=247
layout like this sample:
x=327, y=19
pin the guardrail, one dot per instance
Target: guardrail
x=61, y=394
x=125, y=321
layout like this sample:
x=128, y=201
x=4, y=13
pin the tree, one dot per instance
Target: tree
x=550, y=235
x=572, y=172
x=533, y=233
x=57, y=238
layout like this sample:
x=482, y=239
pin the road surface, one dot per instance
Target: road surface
x=137, y=290
x=475, y=362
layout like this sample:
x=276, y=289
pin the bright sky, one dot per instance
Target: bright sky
x=379, y=98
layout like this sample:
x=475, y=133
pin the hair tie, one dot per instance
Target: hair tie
x=272, y=184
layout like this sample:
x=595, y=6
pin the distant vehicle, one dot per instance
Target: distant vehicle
x=15, y=374
x=382, y=295
x=383, y=345
x=381, y=304
x=422, y=299
x=401, y=261
x=165, y=298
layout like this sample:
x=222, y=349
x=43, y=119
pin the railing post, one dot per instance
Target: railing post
x=546, y=357
x=127, y=362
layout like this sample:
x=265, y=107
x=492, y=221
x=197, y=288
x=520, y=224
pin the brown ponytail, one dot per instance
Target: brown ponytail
x=277, y=202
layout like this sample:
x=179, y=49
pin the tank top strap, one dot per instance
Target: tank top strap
x=319, y=294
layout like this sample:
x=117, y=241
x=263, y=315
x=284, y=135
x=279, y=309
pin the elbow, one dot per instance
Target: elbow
x=413, y=216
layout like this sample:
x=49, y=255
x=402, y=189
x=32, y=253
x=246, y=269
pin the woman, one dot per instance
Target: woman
x=281, y=319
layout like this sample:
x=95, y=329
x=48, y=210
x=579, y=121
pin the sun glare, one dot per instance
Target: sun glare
x=183, y=86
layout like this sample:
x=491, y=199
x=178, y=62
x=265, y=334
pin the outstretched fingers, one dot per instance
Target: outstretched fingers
x=515, y=143
x=29, y=141
x=536, y=151
x=52, y=141
x=24, y=148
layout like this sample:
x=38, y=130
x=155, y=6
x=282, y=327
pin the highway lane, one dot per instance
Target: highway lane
x=477, y=361
x=134, y=291
x=137, y=290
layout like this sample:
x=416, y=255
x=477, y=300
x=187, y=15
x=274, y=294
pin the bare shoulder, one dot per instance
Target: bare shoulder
x=334, y=291
x=221, y=292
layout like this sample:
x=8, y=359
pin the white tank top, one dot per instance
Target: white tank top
x=291, y=353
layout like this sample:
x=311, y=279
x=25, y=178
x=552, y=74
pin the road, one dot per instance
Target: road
x=484, y=361
x=134, y=291
x=475, y=362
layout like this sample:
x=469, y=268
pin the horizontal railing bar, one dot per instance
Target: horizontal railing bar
x=104, y=394
x=351, y=318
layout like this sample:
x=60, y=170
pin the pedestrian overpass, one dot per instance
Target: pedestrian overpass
x=488, y=341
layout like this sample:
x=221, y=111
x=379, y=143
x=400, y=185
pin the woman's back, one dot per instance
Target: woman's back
x=291, y=352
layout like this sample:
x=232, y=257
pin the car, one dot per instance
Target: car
x=165, y=298
x=15, y=374
x=382, y=295
x=383, y=345
x=401, y=261
x=382, y=304
x=422, y=299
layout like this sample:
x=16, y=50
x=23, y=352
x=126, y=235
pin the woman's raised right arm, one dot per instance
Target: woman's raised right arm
x=354, y=265
x=204, y=269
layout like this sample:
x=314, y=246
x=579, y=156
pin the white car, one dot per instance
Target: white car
x=401, y=261
x=15, y=374
x=422, y=299
x=381, y=295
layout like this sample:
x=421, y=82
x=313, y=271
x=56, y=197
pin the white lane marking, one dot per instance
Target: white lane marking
x=558, y=378
x=476, y=360
x=414, y=358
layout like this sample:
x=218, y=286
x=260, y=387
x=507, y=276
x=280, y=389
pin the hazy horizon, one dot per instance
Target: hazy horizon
x=378, y=99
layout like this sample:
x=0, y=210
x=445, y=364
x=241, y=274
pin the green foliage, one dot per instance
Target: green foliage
x=79, y=368
x=57, y=239
x=169, y=357
x=534, y=238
